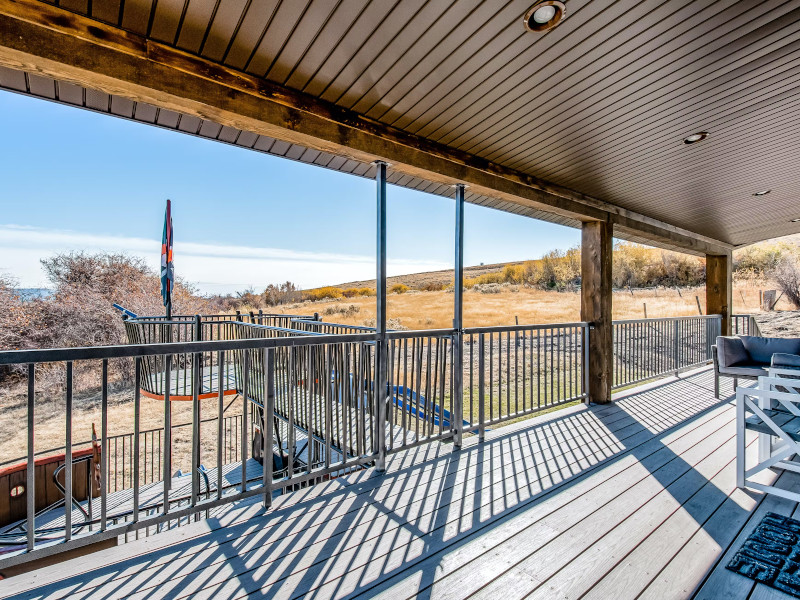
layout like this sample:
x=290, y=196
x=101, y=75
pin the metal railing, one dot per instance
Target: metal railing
x=204, y=491
x=649, y=348
x=744, y=325
x=311, y=408
x=420, y=382
x=510, y=372
x=329, y=328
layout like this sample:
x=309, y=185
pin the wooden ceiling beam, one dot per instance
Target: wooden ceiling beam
x=40, y=38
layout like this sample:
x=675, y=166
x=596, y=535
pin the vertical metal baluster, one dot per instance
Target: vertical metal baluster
x=290, y=410
x=167, y=449
x=220, y=418
x=137, y=383
x=345, y=387
x=119, y=461
x=30, y=487
x=471, y=379
x=68, y=459
x=559, y=366
x=508, y=373
x=406, y=421
x=394, y=376
x=325, y=393
x=524, y=371
x=269, y=423
x=585, y=361
x=418, y=386
x=516, y=373
x=311, y=414
x=243, y=446
x=538, y=370
x=196, y=382
x=530, y=358
x=427, y=424
x=491, y=376
x=481, y=388
x=571, y=361
x=104, y=445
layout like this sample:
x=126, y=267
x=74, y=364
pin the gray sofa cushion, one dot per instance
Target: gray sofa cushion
x=761, y=349
x=730, y=351
x=747, y=369
x=791, y=361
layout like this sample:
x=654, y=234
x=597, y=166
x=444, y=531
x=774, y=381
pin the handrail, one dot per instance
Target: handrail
x=21, y=357
x=502, y=328
x=663, y=319
x=330, y=324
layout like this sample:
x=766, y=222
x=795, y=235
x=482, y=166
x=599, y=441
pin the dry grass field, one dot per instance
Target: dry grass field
x=434, y=310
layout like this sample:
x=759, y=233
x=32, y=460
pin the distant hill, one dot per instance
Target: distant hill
x=445, y=277
x=420, y=280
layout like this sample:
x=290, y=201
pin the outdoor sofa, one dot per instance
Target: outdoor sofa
x=750, y=356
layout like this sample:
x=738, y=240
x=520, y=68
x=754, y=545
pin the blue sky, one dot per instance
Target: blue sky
x=75, y=180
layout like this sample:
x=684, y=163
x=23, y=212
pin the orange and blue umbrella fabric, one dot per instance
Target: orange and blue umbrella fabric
x=167, y=268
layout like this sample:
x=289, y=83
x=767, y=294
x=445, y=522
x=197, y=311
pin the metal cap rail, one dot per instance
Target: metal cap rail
x=23, y=357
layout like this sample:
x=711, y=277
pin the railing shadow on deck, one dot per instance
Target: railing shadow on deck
x=373, y=535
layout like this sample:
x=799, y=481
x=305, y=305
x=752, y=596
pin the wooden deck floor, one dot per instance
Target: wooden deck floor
x=631, y=500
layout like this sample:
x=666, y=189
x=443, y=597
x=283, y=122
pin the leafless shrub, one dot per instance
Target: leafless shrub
x=80, y=311
x=394, y=324
x=786, y=274
x=340, y=309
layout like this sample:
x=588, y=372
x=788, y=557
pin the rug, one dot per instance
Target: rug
x=771, y=554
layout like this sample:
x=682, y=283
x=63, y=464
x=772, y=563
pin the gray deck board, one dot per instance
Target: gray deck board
x=724, y=584
x=633, y=498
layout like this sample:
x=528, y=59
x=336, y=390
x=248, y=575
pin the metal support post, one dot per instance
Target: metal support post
x=381, y=376
x=458, y=322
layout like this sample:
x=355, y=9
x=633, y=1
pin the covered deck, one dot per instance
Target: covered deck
x=631, y=499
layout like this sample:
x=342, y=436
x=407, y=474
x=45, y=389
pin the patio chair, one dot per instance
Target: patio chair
x=747, y=356
x=774, y=412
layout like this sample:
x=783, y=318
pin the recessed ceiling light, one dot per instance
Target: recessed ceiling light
x=764, y=193
x=544, y=15
x=695, y=137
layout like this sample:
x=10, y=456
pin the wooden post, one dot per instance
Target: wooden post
x=596, y=261
x=719, y=288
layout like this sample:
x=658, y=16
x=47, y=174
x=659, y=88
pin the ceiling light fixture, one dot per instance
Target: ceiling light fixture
x=764, y=193
x=695, y=137
x=545, y=15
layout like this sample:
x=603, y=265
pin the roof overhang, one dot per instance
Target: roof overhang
x=43, y=40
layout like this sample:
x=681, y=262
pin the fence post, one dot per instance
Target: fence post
x=481, y=388
x=676, y=346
